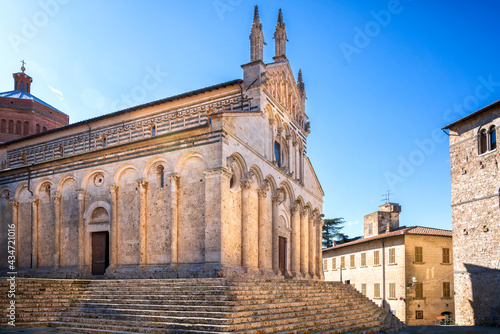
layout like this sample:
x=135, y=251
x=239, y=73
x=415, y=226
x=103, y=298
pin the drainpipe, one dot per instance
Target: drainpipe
x=383, y=276
x=31, y=214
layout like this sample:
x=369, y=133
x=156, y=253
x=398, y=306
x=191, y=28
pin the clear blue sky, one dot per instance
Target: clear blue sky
x=382, y=77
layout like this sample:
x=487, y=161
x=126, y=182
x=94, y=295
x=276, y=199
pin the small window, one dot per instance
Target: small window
x=334, y=263
x=325, y=265
x=3, y=126
x=376, y=258
x=446, y=290
x=342, y=262
x=11, y=126
x=419, y=314
x=392, y=290
x=353, y=261
x=493, y=138
x=44, y=128
x=26, y=128
x=277, y=153
x=104, y=141
x=419, y=257
x=419, y=290
x=483, y=144
x=161, y=176
x=363, y=259
x=153, y=131
x=392, y=255
x=22, y=85
x=376, y=290
x=446, y=255
x=370, y=229
x=363, y=289
x=38, y=128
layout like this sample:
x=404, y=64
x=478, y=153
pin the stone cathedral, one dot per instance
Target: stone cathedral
x=214, y=182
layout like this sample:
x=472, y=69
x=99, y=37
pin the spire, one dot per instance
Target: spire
x=256, y=38
x=280, y=38
x=302, y=89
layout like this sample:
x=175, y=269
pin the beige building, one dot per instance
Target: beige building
x=475, y=185
x=407, y=270
x=211, y=183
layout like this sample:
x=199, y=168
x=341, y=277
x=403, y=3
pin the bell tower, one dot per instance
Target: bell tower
x=22, y=81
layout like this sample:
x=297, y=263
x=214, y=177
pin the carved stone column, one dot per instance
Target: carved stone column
x=174, y=179
x=249, y=228
x=319, y=259
x=289, y=151
x=295, y=256
x=312, y=244
x=113, y=188
x=277, y=198
x=34, y=228
x=143, y=244
x=15, y=221
x=304, y=241
x=295, y=169
x=81, y=228
x=57, y=236
x=216, y=217
x=265, y=229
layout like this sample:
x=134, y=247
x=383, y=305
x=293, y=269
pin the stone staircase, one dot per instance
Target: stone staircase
x=194, y=306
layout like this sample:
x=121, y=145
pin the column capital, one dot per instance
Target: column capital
x=56, y=196
x=246, y=183
x=279, y=195
x=113, y=188
x=272, y=120
x=280, y=130
x=288, y=136
x=295, y=209
x=14, y=203
x=173, y=177
x=34, y=200
x=143, y=184
x=80, y=192
x=263, y=189
x=306, y=210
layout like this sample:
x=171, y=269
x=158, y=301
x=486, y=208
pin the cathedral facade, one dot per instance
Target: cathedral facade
x=211, y=183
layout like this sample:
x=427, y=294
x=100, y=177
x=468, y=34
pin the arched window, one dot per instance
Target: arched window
x=26, y=128
x=22, y=85
x=44, y=128
x=277, y=153
x=104, y=141
x=18, y=128
x=3, y=126
x=493, y=137
x=161, y=176
x=483, y=142
x=153, y=130
x=11, y=126
x=38, y=128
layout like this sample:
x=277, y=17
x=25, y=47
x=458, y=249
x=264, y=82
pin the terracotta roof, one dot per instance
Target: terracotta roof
x=399, y=231
x=430, y=231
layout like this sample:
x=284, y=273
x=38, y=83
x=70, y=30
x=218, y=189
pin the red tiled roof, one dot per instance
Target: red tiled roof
x=399, y=231
x=430, y=231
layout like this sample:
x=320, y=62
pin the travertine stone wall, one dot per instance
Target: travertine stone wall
x=475, y=184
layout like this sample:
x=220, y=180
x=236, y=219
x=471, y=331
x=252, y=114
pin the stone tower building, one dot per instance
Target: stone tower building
x=215, y=182
x=23, y=114
x=475, y=184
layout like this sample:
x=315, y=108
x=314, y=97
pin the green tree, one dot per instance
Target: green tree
x=331, y=231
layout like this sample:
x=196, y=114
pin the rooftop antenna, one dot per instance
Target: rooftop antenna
x=386, y=197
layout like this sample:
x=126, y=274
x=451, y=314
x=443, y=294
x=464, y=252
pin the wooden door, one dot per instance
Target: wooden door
x=100, y=253
x=282, y=255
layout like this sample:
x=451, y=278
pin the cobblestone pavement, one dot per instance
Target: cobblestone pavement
x=409, y=330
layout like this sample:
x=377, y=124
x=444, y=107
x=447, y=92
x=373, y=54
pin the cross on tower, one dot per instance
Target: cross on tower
x=24, y=63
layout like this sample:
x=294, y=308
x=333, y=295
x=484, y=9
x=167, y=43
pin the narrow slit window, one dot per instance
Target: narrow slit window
x=493, y=137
